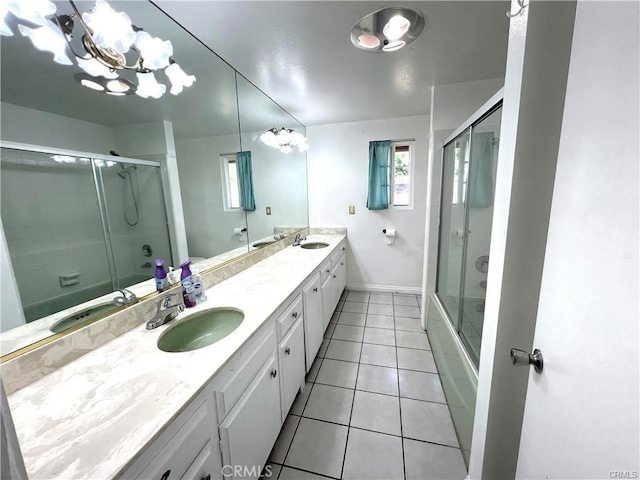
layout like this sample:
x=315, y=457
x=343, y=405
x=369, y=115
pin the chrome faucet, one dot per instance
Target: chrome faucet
x=298, y=239
x=127, y=297
x=166, y=312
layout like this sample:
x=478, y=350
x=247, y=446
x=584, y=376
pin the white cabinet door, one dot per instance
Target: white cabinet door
x=327, y=301
x=206, y=466
x=313, y=322
x=335, y=288
x=252, y=427
x=341, y=276
x=291, y=356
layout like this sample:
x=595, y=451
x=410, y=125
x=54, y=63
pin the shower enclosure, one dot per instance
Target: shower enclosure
x=79, y=225
x=466, y=213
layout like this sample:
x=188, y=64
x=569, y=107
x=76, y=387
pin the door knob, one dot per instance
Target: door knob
x=522, y=358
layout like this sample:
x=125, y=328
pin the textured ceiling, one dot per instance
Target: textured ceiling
x=300, y=54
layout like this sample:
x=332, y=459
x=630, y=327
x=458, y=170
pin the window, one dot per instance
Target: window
x=401, y=175
x=231, y=190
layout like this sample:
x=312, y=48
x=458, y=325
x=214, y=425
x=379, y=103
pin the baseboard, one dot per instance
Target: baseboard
x=385, y=289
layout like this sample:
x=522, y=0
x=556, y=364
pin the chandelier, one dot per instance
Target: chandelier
x=107, y=45
x=285, y=140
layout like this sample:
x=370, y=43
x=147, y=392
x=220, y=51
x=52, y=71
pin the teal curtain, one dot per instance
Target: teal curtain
x=481, y=181
x=378, y=197
x=245, y=181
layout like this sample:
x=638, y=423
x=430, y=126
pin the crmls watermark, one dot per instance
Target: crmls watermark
x=623, y=474
x=250, y=471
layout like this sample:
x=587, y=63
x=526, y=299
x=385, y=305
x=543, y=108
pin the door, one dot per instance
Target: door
x=291, y=356
x=313, y=324
x=581, y=414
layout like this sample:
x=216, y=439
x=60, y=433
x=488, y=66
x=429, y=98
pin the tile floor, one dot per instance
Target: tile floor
x=373, y=406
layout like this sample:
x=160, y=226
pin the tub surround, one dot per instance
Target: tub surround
x=28, y=367
x=91, y=417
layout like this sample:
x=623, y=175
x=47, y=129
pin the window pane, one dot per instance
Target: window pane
x=401, y=176
x=234, y=188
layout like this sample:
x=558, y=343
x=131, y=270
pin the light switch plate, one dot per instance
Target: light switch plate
x=268, y=210
x=352, y=209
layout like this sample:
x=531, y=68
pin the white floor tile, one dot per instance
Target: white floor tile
x=348, y=332
x=332, y=404
x=373, y=456
x=426, y=461
x=412, y=340
x=378, y=379
x=380, y=321
x=408, y=324
x=288, y=473
x=380, y=309
x=318, y=447
x=337, y=373
x=380, y=413
x=427, y=421
x=344, y=350
x=362, y=297
x=386, y=298
x=354, y=307
x=411, y=300
x=406, y=311
x=380, y=336
x=421, y=386
x=348, y=318
x=381, y=355
x=412, y=359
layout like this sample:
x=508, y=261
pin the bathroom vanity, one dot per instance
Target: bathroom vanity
x=129, y=410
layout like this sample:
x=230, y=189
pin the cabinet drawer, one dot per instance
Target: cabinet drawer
x=179, y=453
x=337, y=253
x=289, y=317
x=242, y=368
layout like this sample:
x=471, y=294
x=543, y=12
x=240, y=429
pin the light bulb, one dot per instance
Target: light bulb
x=33, y=11
x=396, y=27
x=148, y=86
x=96, y=69
x=117, y=86
x=286, y=149
x=367, y=40
x=111, y=29
x=48, y=38
x=154, y=51
x=178, y=78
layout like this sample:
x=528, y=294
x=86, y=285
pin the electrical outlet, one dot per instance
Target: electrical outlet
x=352, y=209
x=268, y=210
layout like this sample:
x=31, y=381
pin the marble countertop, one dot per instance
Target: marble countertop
x=91, y=417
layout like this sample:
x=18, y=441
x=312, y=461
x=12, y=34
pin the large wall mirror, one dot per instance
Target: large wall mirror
x=78, y=223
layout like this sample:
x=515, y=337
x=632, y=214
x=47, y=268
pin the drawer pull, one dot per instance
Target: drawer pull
x=206, y=477
x=315, y=289
x=328, y=271
x=334, y=276
x=287, y=351
x=343, y=249
x=342, y=263
x=274, y=373
x=294, y=314
x=165, y=475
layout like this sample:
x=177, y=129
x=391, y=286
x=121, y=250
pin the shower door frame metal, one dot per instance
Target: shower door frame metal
x=99, y=190
x=489, y=107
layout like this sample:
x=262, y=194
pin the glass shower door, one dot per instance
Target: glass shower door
x=136, y=218
x=481, y=186
x=452, y=224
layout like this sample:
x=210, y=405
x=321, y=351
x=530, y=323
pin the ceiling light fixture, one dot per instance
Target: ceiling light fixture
x=285, y=140
x=106, y=46
x=118, y=86
x=387, y=30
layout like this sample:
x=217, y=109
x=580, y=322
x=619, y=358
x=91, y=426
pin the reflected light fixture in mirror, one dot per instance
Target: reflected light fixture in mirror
x=285, y=140
x=387, y=30
x=106, y=46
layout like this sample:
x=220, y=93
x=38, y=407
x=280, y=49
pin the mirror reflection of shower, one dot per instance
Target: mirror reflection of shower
x=127, y=177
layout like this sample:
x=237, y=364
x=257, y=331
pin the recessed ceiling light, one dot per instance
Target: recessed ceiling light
x=368, y=41
x=92, y=85
x=387, y=30
x=394, y=45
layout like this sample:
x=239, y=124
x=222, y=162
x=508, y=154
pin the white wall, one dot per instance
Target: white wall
x=209, y=228
x=26, y=125
x=338, y=163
